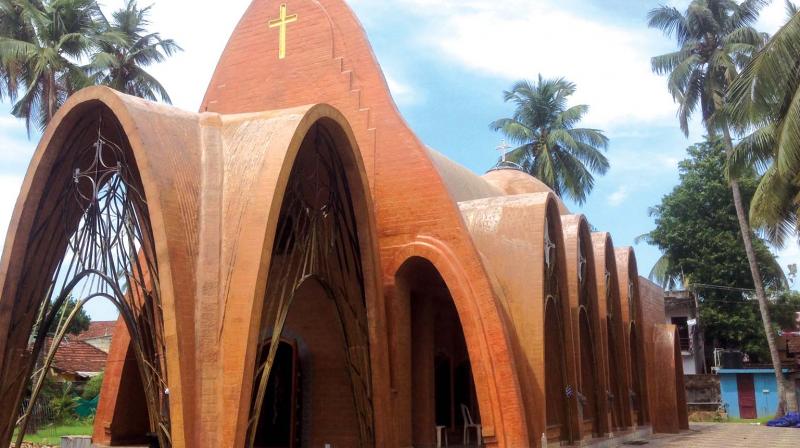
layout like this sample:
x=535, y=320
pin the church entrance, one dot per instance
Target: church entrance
x=279, y=424
x=614, y=372
x=313, y=384
x=435, y=386
x=636, y=379
x=555, y=387
x=589, y=389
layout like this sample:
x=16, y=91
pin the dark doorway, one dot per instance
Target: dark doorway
x=443, y=390
x=435, y=387
x=464, y=393
x=636, y=377
x=278, y=422
x=588, y=378
x=617, y=394
x=556, y=402
x=747, y=395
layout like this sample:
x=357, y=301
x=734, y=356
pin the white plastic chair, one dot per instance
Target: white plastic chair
x=468, y=423
x=439, y=431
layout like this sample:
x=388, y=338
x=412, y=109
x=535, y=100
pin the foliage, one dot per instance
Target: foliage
x=716, y=40
x=698, y=233
x=92, y=387
x=64, y=403
x=765, y=101
x=550, y=147
x=783, y=308
x=78, y=325
x=45, y=44
x=120, y=65
x=53, y=36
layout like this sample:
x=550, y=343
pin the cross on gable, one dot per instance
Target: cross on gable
x=281, y=23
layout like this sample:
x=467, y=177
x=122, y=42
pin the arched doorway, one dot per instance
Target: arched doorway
x=280, y=423
x=316, y=293
x=89, y=237
x=555, y=387
x=434, y=380
x=591, y=400
x=557, y=390
x=617, y=393
x=637, y=393
x=589, y=387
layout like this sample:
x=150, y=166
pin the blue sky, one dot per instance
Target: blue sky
x=447, y=63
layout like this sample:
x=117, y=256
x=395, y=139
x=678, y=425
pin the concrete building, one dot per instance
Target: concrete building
x=680, y=308
x=749, y=393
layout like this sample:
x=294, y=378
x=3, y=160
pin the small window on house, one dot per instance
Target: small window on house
x=683, y=332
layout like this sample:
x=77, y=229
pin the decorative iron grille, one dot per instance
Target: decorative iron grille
x=92, y=239
x=317, y=239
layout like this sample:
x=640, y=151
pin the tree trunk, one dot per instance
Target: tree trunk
x=51, y=96
x=786, y=395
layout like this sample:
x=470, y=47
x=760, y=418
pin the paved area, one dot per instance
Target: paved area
x=729, y=435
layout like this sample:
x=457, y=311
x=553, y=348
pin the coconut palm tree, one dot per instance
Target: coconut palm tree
x=550, y=147
x=716, y=40
x=765, y=101
x=12, y=25
x=44, y=55
x=121, y=65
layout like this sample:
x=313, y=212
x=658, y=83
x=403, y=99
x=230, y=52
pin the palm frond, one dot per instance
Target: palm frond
x=756, y=150
x=774, y=207
x=670, y=21
x=663, y=273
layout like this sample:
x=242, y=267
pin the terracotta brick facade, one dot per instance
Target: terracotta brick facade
x=469, y=281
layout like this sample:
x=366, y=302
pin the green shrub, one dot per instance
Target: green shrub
x=92, y=387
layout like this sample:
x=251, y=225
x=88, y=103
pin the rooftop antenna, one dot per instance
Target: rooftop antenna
x=503, y=148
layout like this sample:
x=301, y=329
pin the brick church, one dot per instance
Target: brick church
x=295, y=268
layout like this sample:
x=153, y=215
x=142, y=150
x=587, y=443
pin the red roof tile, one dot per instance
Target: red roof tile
x=77, y=356
x=98, y=330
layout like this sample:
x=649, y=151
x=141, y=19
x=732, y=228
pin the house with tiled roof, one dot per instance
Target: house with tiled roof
x=99, y=335
x=76, y=360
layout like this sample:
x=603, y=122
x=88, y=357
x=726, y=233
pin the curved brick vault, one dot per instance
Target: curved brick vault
x=215, y=183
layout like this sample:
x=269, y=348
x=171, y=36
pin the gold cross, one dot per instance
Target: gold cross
x=281, y=23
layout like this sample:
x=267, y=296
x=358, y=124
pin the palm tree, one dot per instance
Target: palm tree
x=54, y=36
x=550, y=147
x=14, y=26
x=120, y=65
x=716, y=40
x=765, y=99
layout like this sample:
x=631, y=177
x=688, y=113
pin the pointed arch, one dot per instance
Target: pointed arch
x=587, y=326
x=91, y=203
x=296, y=234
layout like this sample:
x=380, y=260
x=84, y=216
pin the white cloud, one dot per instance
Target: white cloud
x=202, y=28
x=403, y=93
x=9, y=191
x=618, y=197
x=772, y=17
x=517, y=39
x=15, y=149
x=10, y=123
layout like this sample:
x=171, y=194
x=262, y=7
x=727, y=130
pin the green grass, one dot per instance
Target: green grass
x=51, y=435
x=762, y=420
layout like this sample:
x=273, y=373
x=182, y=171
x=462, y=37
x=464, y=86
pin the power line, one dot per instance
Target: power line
x=724, y=288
